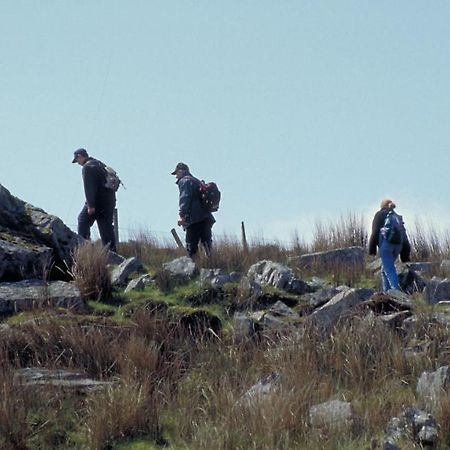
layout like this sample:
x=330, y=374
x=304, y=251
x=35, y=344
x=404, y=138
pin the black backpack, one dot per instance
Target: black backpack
x=393, y=229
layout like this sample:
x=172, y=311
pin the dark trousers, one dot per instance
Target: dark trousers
x=104, y=218
x=199, y=232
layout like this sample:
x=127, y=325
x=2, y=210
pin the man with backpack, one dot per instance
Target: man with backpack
x=194, y=210
x=100, y=191
x=389, y=235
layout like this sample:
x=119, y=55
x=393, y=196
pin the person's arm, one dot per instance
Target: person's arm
x=377, y=223
x=186, y=187
x=90, y=185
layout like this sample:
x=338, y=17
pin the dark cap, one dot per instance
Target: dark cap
x=80, y=152
x=180, y=166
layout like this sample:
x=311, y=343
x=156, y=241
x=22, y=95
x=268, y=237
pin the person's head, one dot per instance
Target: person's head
x=387, y=204
x=80, y=156
x=181, y=170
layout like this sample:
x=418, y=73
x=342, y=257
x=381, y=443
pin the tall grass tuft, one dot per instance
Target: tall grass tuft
x=90, y=272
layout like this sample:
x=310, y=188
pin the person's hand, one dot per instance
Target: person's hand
x=181, y=221
x=91, y=211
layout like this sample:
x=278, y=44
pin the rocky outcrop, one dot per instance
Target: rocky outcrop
x=32, y=242
x=29, y=294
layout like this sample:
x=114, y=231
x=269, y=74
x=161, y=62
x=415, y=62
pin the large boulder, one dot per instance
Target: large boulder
x=350, y=257
x=35, y=240
x=28, y=294
x=120, y=274
x=437, y=290
x=339, y=306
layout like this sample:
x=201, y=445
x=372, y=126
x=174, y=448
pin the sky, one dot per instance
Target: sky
x=299, y=110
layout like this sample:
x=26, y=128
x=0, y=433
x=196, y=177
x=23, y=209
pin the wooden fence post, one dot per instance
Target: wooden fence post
x=244, y=238
x=177, y=239
x=116, y=226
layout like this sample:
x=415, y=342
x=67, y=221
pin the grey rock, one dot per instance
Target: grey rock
x=263, y=391
x=181, y=269
x=431, y=385
x=28, y=294
x=269, y=273
x=273, y=322
x=280, y=309
x=120, y=274
x=114, y=258
x=351, y=257
x=217, y=278
x=21, y=259
x=437, y=290
x=334, y=414
x=439, y=318
x=340, y=305
x=324, y=295
x=445, y=267
x=422, y=267
x=139, y=284
x=414, y=424
x=58, y=378
x=243, y=326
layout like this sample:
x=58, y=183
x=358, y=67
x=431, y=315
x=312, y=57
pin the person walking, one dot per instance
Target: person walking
x=100, y=200
x=194, y=217
x=389, y=235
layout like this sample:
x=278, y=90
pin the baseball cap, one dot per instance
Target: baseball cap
x=79, y=152
x=180, y=166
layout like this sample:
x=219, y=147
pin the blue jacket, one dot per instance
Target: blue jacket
x=191, y=207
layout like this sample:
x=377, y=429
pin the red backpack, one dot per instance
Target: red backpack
x=210, y=196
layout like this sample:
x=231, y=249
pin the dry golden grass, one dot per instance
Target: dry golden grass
x=90, y=272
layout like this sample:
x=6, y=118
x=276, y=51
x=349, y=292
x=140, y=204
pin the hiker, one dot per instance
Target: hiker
x=100, y=200
x=194, y=217
x=389, y=235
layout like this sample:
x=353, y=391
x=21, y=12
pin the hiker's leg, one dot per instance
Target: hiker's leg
x=106, y=227
x=85, y=222
x=206, y=235
x=388, y=254
x=192, y=238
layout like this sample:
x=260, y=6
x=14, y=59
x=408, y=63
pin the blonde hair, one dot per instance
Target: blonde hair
x=387, y=203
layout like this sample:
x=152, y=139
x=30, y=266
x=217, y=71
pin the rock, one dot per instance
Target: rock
x=243, y=326
x=217, y=278
x=139, y=284
x=437, y=290
x=334, y=414
x=431, y=385
x=262, y=391
x=445, y=267
x=58, y=378
x=413, y=424
x=114, y=258
x=410, y=281
x=395, y=320
x=120, y=274
x=28, y=294
x=388, y=302
x=422, y=267
x=35, y=231
x=324, y=295
x=350, y=257
x=181, y=269
x=340, y=305
x=280, y=309
x=21, y=258
x=269, y=273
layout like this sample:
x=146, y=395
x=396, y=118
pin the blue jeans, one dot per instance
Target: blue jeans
x=388, y=254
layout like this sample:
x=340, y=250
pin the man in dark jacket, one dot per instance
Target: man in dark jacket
x=193, y=216
x=100, y=201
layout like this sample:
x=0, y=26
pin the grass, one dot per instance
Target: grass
x=184, y=389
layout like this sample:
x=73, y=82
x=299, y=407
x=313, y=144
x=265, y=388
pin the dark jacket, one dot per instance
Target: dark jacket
x=377, y=224
x=94, y=178
x=191, y=206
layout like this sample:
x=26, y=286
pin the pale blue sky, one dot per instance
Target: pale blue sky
x=298, y=109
